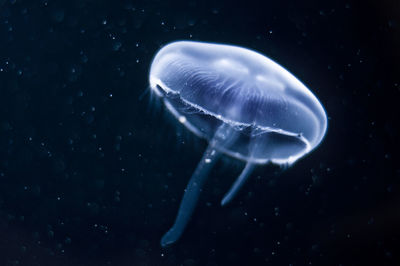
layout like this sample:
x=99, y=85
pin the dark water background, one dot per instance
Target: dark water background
x=91, y=173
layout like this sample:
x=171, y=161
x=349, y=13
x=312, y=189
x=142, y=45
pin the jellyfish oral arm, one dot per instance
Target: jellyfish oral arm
x=191, y=196
x=224, y=136
x=238, y=183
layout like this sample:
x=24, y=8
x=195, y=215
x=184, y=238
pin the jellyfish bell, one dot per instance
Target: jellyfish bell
x=244, y=104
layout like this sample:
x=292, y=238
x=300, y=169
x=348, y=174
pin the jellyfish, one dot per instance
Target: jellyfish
x=244, y=104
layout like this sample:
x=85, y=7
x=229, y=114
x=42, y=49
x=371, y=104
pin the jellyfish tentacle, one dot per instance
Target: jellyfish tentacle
x=224, y=136
x=248, y=169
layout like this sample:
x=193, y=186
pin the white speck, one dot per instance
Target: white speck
x=207, y=160
x=182, y=119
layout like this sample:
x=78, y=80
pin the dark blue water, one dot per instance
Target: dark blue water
x=92, y=171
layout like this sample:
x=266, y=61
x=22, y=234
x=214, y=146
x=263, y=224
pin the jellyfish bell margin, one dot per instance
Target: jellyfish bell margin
x=246, y=106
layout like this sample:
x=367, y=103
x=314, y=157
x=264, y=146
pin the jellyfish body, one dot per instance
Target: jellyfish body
x=246, y=106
